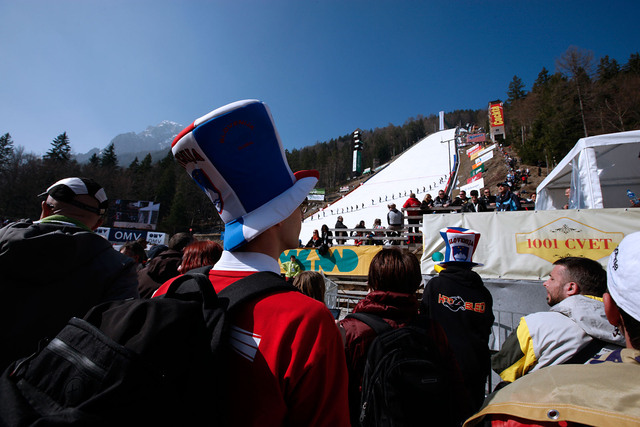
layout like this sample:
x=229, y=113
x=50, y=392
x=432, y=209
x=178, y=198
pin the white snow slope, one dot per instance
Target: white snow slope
x=423, y=165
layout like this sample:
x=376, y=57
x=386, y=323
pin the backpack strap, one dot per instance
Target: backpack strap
x=253, y=286
x=373, y=321
x=197, y=281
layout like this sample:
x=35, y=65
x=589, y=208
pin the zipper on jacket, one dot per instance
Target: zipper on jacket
x=76, y=358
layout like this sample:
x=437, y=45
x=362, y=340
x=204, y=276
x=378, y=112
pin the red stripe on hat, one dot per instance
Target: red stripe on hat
x=306, y=174
x=183, y=133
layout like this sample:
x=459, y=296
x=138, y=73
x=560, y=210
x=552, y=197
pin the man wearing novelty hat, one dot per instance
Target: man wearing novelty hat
x=288, y=366
x=459, y=301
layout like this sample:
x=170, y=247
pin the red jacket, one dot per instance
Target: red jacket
x=288, y=362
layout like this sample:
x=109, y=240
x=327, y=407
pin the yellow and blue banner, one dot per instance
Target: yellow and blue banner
x=339, y=260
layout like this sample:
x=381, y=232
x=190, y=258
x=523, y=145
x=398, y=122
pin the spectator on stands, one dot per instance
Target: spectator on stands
x=359, y=234
x=576, y=325
x=461, y=199
x=426, y=204
x=506, y=200
x=458, y=300
x=474, y=204
x=135, y=251
x=393, y=279
x=442, y=200
x=163, y=266
x=200, y=253
x=488, y=199
x=315, y=241
x=395, y=219
x=413, y=217
x=57, y=268
x=602, y=392
x=340, y=225
x=311, y=283
x=377, y=237
x=326, y=235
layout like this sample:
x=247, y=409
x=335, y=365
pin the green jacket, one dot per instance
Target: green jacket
x=291, y=269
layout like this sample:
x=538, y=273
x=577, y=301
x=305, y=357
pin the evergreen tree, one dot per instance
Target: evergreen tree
x=6, y=150
x=94, y=160
x=633, y=66
x=607, y=69
x=60, y=150
x=516, y=90
x=109, y=158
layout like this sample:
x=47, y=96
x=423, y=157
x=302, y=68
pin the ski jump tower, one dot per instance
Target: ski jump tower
x=357, y=154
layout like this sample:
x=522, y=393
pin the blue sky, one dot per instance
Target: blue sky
x=96, y=69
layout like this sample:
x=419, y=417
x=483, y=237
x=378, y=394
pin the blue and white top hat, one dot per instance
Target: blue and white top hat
x=235, y=155
x=460, y=244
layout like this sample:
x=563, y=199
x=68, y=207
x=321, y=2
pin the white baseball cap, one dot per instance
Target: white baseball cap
x=623, y=280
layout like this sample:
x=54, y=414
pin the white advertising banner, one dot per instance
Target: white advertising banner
x=475, y=185
x=484, y=157
x=523, y=245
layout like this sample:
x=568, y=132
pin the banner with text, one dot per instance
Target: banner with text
x=340, y=260
x=523, y=245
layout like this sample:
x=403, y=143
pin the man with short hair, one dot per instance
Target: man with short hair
x=461, y=199
x=576, y=322
x=488, y=199
x=474, y=204
x=287, y=365
x=395, y=219
x=441, y=200
x=605, y=391
x=506, y=200
x=57, y=268
x=412, y=207
x=340, y=224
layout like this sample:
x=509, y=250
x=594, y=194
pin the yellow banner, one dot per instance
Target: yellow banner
x=340, y=260
x=523, y=245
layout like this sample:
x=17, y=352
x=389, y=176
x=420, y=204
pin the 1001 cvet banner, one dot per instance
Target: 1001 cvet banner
x=522, y=245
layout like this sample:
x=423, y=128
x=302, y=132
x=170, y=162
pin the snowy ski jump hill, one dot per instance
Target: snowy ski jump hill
x=423, y=168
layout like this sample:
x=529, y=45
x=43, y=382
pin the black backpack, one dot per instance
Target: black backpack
x=158, y=361
x=405, y=381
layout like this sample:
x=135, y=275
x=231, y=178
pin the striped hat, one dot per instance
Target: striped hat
x=235, y=155
x=460, y=244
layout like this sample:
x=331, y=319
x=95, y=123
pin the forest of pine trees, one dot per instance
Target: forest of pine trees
x=582, y=98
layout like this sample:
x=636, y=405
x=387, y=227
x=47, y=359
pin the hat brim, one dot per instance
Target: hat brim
x=246, y=228
x=461, y=263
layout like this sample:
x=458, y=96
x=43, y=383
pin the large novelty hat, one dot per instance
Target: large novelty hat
x=460, y=244
x=235, y=155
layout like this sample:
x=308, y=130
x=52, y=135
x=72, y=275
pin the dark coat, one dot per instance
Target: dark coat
x=459, y=301
x=161, y=268
x=398, y=310
x=50, y=273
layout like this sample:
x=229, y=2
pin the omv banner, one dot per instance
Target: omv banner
x=341, y=260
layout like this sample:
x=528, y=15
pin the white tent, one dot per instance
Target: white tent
x=599, y=170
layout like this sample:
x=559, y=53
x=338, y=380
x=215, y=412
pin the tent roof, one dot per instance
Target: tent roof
x=614, y=168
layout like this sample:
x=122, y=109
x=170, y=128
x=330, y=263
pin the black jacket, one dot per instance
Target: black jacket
x=161, y=268
x=50, y=273
x=459, y=301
